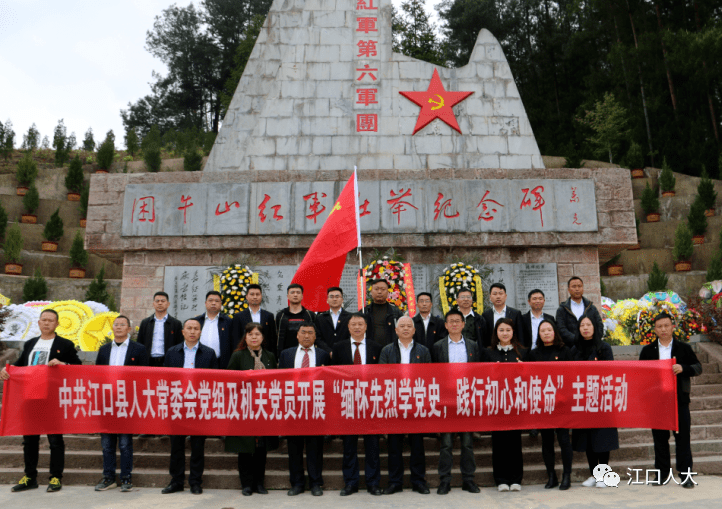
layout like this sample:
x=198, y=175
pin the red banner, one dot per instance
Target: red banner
x=338, y=400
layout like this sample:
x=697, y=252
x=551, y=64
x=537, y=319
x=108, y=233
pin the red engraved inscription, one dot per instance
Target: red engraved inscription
x=367, y=69
x=186, y=204
x=575, y=196
x=146, y=209
x=366, y=25
x=441, y=206
x=364, y=209
x=366, y=122
x=227, y=208
x=262, y=209
x=367, y=49
x=538, y=201
x=364, y=5
x=576, y=220
x=488, y=208
x=398, y=204
x=367, y=96
x=315, y=205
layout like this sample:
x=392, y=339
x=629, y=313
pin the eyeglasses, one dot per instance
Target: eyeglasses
x=465, y=297
x=454, y=322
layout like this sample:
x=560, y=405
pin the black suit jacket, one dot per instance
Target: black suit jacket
x=440, y=351
x=526, y=324
x=685, y=357
x=62, y=349
x=238, y=328
x=343, y=352
x=224, y=337
x=329, y=334
x=172, y=334
x=205, y=357
x=136, y=355
x=391, y=354
x=435, y=331
x=513, y=314
x=288, y=358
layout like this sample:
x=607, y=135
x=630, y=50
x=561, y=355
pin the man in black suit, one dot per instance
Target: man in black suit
x=305, y=355
x=474, y=324
x=254, y=314
x=159, y=331
x=571, y=311
x=332, y=325
x=381, y=315
x=51, y=350
x=499, y=310
x=290, y=318
x=532, y=318
x=216, y=328
x=189, y=354
x=358, y=351
x=119, y=352
x=686, y=365
x=456, y=348
x=429, y=328
x=406, y=351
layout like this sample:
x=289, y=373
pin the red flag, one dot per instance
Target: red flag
x=322, y=266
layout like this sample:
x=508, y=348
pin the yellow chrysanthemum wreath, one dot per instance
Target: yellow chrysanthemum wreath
x=457, y=276
x=96, y=331
x=4, y=301
x=234, y=283
x=71, y=316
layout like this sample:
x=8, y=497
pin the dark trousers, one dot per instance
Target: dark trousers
x=252, y=467
x=506, y=457
x=156, y=361
x=31, y=453
x=396, y=460
x=314, y=460
x=178, y=459
x=350, y=465
x=125, y=444
x=683, y=449
x=565, y=445
x=596, y=458
x=446, y=460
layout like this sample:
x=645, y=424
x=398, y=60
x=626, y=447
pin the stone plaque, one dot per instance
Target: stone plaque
x=187, y=288
x=542, y=276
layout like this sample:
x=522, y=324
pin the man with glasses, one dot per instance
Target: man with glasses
x=474, y=325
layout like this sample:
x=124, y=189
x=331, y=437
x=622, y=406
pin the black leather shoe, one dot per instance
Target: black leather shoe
x=316, y=491
x=566, y=482
x=470, y=486
x=689, y=483
x=349, y=489
x=296, y=490
x=172, y=488
x=375, y=490
x=393, y=488
x=196, y=489
x=420, y=488
x=247, y=491
x=533, y=433
x=552, y=482
x=443, y=488
x=261, y=490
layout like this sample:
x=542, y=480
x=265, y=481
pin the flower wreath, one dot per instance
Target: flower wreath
x=455, y=277
x=393, y=272
x=625, y=313
x=97, y=331
x=687, y=322
x=233, y=284
x=71, y=316
x=21, y=324
x=4, y=301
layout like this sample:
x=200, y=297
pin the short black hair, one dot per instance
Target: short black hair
x=422, y=294
x=662, y=316
x=190, y=320
x=214, y=292
x=500, y=286
x=162, y=294
x=464, y=289
x=253, y=286
x=294, y=285
x=57, y=318
x=307, y=324
x=123, y=316
x=358, y=314
x=381, y=280
x=454, y=311
x=572, y=279
x=535, y=290
x=334, y=289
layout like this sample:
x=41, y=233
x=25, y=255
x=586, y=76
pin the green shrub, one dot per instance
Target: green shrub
x=13, y=244
x=131, y=142
x=111, y=303
x=683, y=247
x=602, y=288
x=89, y=141
x=7, y=140
x=75, y=177
x=650, y=200
x=61, y=144
x=27, y=170
x=209, y=139
x=666, y=177
x=83, y=205
x=151, y=149
x=98, y=288
x=54, y=227
x=714, y=269
x=636, y=223
x=106, y=152
x=192, y=160
x=3, y=222
x=78, y=254
x=706, y=191
x=635, y=156
x=35, y=288
x=32, y=139
x=696, y=220
x=31, y=200
x=658, y=280
x=573, y=158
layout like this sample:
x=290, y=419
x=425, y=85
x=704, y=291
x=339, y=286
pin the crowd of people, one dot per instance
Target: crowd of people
x=297, y=338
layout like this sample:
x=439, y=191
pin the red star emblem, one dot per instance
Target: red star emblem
x=436, y=102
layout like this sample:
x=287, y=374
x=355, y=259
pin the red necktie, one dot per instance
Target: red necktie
x=357, y=354
x=306, y=362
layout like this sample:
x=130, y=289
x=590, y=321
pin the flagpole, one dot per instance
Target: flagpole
x=358, y=230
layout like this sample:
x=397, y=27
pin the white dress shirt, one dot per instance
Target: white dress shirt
x=457, y=350
x=500, y=315
x=335, y=316
x=118, y=352
x=189, y=355
x=311, y=357
x=665, y=352
x=157, y=348
x=209, y=335
x=405, y=352
x=426, y=322
x=535, y=327
x=255, y=317
x=577, y=309
x=361, y=349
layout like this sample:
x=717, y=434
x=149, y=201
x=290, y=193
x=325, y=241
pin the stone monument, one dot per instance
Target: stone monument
x=447, y=160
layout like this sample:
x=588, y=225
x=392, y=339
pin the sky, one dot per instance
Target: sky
x=79, y=60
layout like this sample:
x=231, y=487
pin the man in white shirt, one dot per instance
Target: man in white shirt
x=429, y=328
x=159, y=331
x=534, y=317
x=255, y=314
x=499, y=310
x=571, y=311
x=332, y=325
x=216, y=328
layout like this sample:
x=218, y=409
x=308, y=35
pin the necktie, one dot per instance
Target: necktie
x=306, y=362
x=357, y=354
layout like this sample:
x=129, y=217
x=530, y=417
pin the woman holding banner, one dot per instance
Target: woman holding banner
x=506, y=457
x=252, y=451
x=550, y=347
x=598, y=442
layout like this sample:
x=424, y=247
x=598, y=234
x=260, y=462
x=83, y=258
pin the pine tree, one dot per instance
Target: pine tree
x=7, y=140
x=13, y=244
x=414, y=35
x=3, y=223
x=683, y=247
x=666, y=177
x=658, y=280
x=35, y=288
x=83, y=205
x=54, y=227
x=97, y=290
x=609, y=121
x=635, y=157
x=714, y=269
x=192, y=160
x=32, y=139
x=131, y=142
x=60, y=143
x=111, y=303
x=151, y=149
x=696, y=220
x=78, y=254
x=31, y=200
x=27, y=170
x=649, y=200
x=75, y=178
x=705, y=190
x=89, y=141
x=106, y=152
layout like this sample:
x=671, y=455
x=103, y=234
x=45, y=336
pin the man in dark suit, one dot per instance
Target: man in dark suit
x=474, y=324
x=406, y=351
x=254, y=314
x=358, y=351
x=499, y=309
x=305, y=355
x=290, y=318
x=686, y=365
x=159, y=331
x=456, y=348
x=119, y=352
x=573, y=309
x=532, y=318
x=381, y=315
x=189, y=354
x=332, y=325
x=216, y=328
x=51, y=350
x=429, y=328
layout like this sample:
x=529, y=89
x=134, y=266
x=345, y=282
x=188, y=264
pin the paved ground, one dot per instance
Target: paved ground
x=706, y=495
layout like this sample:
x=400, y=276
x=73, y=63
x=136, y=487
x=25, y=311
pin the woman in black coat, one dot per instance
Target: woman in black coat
x=506, y=457
x=550, y=347
x=596, y=442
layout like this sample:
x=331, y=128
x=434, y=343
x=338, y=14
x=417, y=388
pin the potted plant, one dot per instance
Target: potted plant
x=639, y=244
x=658, y=280
x=83, y=205
x=74, y=179
x=614, y=268
x=705, y=191
x=78, y=257
x=13, y=248
x=697, y=220
x=31, y=202
x=666, y=180
x=650, y=204
x=53, y=232
x=3, y=222
x=26, y=173
x=635, y=160
x=683, y=248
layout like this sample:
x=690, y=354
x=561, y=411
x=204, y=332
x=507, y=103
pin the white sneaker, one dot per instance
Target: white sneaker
x=503, y=487
x=601, y=484
x=515, y=487
x=590, y=483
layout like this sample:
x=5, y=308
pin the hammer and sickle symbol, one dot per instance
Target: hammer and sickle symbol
x=439, y=103
x=335, y=208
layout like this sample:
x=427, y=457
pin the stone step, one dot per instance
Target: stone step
x=708, y=368
x=706, y=390
x=706, y=403
x=707, y=379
